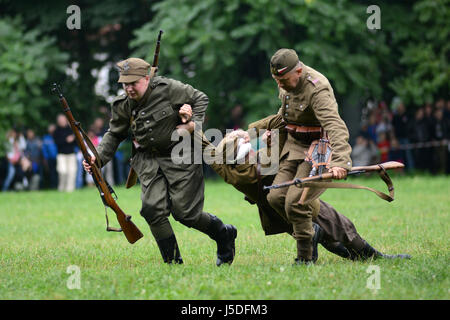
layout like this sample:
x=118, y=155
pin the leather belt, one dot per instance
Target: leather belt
x=155, y=152
x=304, y=133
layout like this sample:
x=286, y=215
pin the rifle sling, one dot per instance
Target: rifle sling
x=98, y=162
x=383, y=175
x=90, y=145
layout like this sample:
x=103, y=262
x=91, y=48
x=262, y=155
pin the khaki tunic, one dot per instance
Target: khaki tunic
x=244, y=177
x=311, y=103
x=166, y=187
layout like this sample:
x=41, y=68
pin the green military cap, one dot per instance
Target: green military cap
x=132, y=69
x=283, y=61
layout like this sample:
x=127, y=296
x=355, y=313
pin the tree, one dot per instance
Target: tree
x=423, y=42
x=26, y=60
x=224, y=47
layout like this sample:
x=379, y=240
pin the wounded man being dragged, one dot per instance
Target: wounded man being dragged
x=334, y=231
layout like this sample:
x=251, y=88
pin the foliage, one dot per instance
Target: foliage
x=26, y=60
x=424, y=53
x=230, y=60
x=223, y=48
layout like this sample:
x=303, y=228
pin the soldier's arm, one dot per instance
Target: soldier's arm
x=326, y=110
x=181, y=93
x=117, y=132
x=271, y=122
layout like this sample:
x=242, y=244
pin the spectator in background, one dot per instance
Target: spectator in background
x=402, y=130
x=372, y=127
x=33, y=152
x=95, y=141
x=440, y=134
x=383, y=146
x=100, y=129
x=421, y=133
x=49, y=153
x=66, y=161
x=236, y=118
x=364, y=152
x=395, y=152
x=384, y=122
x=15, y=145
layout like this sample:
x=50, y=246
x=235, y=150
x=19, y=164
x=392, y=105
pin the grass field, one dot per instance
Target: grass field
x=43, y=234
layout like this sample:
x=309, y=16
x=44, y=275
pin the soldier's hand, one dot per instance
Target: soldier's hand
x=338, y=173
x=185, y=113
x=190, y=126
x=239, y=133
x=87, y=166
x=266, y=137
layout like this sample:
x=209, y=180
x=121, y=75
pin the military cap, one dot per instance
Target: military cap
x=132, y=69
x=283, y=61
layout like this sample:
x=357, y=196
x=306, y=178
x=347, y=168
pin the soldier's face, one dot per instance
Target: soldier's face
x=136, y=90
x=288, y=81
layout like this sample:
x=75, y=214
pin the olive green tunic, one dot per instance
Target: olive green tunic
x=166, y=187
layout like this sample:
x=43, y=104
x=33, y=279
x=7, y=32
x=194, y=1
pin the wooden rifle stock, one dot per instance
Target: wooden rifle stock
x=132, y=233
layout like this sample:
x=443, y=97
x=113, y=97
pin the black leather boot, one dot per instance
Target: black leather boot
x=169, y=250
x=338, y=249
x=369, y=252
x=224, y=235
x=317, y=238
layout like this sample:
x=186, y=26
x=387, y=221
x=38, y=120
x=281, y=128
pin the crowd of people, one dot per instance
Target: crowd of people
x=54, y=160
x=418, y=139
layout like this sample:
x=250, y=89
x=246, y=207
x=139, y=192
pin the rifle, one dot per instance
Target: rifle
x=132, y=176
x=132, y=233
x=318, y=181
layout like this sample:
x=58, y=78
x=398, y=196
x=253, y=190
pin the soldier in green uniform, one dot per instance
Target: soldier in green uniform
x=151, y=108
x=308, y=106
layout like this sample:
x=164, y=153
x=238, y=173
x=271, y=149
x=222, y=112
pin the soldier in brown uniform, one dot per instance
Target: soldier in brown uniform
x=308, y=106
x=151, y=108
x=335, y=232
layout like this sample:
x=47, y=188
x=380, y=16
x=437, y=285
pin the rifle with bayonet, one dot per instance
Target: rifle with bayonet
x=131, y=232
x=323, y=180
x=132, y=176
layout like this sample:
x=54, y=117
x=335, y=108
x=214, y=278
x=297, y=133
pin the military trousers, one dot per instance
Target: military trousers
x=170, y=188
x=285, y=201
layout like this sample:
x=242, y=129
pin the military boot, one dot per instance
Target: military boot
x=224, y=235
x=338, y=249
x=302, y=248
x=369, y=252
x=317, y=238
x=169, y=250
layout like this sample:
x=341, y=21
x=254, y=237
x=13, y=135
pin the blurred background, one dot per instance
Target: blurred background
x=388, y=67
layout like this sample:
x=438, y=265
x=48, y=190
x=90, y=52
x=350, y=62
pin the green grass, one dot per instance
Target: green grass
x=43, y=233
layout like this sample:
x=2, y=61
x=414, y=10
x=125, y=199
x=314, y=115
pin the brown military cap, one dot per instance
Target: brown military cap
x=132, y=69
x=283, y=61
